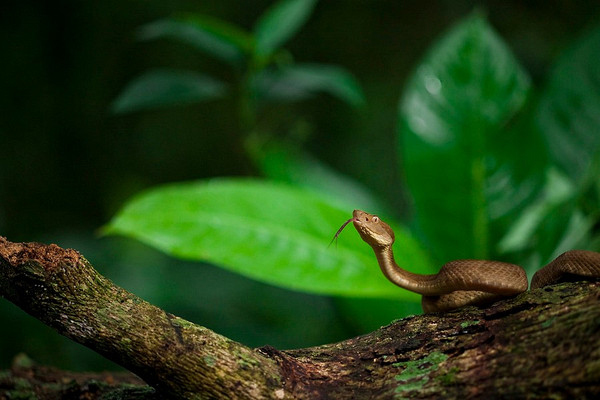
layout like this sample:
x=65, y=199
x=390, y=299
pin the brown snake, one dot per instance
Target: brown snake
x=465, y=282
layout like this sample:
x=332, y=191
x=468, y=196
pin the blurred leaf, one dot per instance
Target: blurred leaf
x=550, y=226
x=284, y=164
x=451, y=117
x=300, y=81
x=160, y=88
x=564, y=228
x=279, y=23
x=557, y=191
x=569, y=110
x=272, y=233
x=516, y=171
x=576, y=233
x=215, y=37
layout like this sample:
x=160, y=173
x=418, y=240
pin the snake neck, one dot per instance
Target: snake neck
x=422, y=284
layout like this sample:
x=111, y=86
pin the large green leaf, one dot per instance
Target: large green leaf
x=216, y=38
x=270, y=232
x=569, y=110
x=452, y=116
x=558, y=191
x=161, y=88
x=549, y=226
x=279, y=23
x=284, y=164
x=300, y=81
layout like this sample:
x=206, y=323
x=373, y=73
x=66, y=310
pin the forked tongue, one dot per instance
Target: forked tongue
x=340, y=231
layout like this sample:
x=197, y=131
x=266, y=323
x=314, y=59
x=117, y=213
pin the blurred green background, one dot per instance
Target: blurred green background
x=68, y=164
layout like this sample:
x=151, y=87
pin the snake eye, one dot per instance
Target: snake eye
x=375, y=218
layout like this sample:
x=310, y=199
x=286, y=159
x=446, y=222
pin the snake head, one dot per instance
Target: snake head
x=372, y=229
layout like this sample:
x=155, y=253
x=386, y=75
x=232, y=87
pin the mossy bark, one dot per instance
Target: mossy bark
x=543, y=343
x=27, y=380
x=176, y=357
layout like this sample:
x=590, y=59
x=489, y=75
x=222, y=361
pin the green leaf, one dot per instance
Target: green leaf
x=269, y=232
x=564, y=228
x=569, y=110
x=161, y=88
x=215, y=37
x=300, y=81
x=551, y=225
x=279, y=23
x=452, y=116
x=575, y=233
x=522, y=235
x=284, y=164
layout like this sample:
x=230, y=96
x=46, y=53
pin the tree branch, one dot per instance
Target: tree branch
x=176, y=357
x=541, y=343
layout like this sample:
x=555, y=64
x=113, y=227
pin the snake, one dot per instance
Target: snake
x=467, y=282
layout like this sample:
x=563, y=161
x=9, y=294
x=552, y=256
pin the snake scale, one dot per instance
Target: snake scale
x=466, y=282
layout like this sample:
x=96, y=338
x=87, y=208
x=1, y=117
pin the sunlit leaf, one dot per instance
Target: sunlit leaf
x=269, y=232
x=452, y=116
x=569, y=111
x=300, y=81
x=215, y=37
x=161, y=88
x=279, y=23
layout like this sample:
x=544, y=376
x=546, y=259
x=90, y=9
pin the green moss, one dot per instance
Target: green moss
x=210, y=361
x=416, y=373
x=183, y=323
x=449, y=377
x=245, y=360
x=548, y=322
x=21, y=384
x=466, y=324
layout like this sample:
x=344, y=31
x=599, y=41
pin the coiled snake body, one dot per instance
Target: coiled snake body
x=464, y=282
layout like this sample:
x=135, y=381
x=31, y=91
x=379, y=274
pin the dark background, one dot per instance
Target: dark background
x=67, y=164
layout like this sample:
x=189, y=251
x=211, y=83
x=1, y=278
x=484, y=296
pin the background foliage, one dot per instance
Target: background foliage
x=502, y=105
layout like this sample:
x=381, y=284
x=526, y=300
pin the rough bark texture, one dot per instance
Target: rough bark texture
x=171, y=354
x=543, y=343
x=27, y=380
